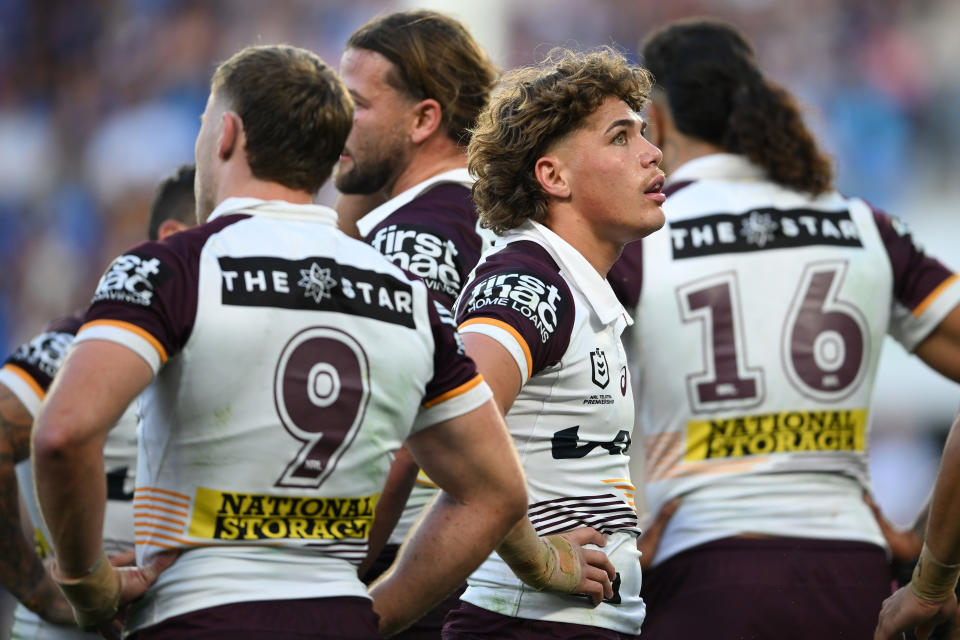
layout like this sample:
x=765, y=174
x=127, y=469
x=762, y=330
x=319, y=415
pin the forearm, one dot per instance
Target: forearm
x=72, y=493
x=21, y=571
x=393, y=499
x=449, y=542
x=943, y=526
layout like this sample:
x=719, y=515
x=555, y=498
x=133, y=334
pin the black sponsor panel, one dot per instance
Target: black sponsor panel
x=321, y=284
x=761, y=230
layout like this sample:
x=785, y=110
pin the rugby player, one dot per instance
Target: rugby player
x=418, y=79
x=565, y=176
x=760, y=313
x=268, y=344
x=42, y=613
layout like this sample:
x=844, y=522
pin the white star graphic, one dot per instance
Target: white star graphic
x=759, y=228
x=316, y=282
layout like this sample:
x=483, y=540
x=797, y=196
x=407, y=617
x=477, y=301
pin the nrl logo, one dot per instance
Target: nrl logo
x=600, y=371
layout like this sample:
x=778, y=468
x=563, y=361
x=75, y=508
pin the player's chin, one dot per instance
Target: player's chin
x=651, y=217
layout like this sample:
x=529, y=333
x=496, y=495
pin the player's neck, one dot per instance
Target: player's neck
x=679, y=149
x=599, y=251
x=251, y=187
x=429, y=159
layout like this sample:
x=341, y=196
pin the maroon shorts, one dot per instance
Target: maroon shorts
x=429, y=626
x=784, y=588
x=346, y=618
x=468, y=622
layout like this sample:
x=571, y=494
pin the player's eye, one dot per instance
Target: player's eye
x=620, y=138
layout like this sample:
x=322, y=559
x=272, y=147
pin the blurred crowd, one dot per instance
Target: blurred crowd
x=100, y=99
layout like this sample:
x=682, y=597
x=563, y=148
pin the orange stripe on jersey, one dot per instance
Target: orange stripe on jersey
x=140, y=516
x=26, y=377
x=453, y=393
x=920, y=308
x=513, y=332
x=146, y=527
x=163, y=500
x=132, y=328
x=153, y=508
x=626, y=480
x=164, y=491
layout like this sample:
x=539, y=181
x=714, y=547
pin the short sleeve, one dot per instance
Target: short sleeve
x=433, y=237
x=146, y=301
x=29, y=370
x=456, y=387
x=924, y=290
x=518, y=298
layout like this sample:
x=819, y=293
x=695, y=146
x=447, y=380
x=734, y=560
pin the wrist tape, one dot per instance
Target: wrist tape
x=555, y=567
x=932, y=580
x=95, y=597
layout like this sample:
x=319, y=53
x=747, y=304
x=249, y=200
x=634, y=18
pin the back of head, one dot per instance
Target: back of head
x=717, y=93
x=174, y=200
x=295, y=110
x=434, y=56
x=533, y=108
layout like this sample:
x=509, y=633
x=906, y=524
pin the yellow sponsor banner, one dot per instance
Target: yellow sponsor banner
x=769, y=433
x=229, y=515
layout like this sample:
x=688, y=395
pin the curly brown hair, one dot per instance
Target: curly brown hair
x=717, y=92
x=533, y=108
x=296, y=113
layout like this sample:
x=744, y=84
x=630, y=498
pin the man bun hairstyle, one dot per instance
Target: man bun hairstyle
x=717, y=92
x=433, y=56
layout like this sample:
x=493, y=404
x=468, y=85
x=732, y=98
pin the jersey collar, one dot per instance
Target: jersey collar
x=367, y=223
x=578, y=270
x=275, y=209
x=717, y=166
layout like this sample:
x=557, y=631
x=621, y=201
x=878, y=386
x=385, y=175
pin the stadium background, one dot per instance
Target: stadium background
x=100, y=99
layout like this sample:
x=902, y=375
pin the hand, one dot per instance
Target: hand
x=904, y=611
x=48, y=602
x=134, y=582
x=904, y=545
x=578, y=570
x=648, y=542
x=99, y=599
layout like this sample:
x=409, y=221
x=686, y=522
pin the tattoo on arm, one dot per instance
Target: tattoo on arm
x=20, y=568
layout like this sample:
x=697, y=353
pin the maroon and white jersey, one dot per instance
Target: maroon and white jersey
x=269, y=429
x=571, y=421
x=760, y=315
x=432, y=230
x=28, y=373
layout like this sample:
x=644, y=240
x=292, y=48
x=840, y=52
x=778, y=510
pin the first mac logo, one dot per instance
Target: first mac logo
x=132, y=278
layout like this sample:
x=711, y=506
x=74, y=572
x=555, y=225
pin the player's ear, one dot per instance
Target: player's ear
x=550, y=175
x=428, y=118
x=658, y=119
x=230, y=133
x=169, y=227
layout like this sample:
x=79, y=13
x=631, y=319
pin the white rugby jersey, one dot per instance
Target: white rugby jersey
x=269, y=429
x=28, y=373
x=571, y=421
x=760, y=321
x=433, y=231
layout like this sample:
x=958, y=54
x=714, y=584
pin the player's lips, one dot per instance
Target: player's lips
x=653, y=191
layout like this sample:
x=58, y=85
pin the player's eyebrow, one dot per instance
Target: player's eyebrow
x=624, y=122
